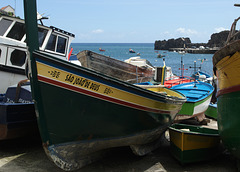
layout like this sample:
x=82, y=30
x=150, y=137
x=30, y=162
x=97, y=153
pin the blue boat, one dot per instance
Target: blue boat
x=17, y=112
x=202, y=76
x=198, y=95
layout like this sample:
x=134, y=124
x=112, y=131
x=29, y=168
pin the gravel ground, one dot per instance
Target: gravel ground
x=27, y=155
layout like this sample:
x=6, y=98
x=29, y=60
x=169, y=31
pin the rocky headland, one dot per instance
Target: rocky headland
x=216, y=41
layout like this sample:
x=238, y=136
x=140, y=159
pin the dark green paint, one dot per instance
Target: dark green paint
x=228, y=121
x=190, y=156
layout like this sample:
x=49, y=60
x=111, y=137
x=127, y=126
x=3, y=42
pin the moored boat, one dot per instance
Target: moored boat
x=198, y=95
x=131, y=50
x=115, y=68
x=226, y=64
x=98, y=112
x=190, y=143
x=100, y=49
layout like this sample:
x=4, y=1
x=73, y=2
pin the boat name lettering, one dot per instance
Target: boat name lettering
x=54, y=73
x=69, y=78
x=82, y=82
x=108, y=91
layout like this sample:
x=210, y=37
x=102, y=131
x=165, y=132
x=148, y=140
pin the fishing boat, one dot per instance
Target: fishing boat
x=226, y=63
x=100, y=49
x=198, y=95
x=13, y=50
x=203, y=76
x=98, y=112
x=115, y=68
x=131, y=50
x=17, y=113
x=172, y=80
x=190, y=143
x=138, y=61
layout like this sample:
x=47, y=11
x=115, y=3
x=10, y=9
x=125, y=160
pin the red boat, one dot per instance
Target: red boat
x=100, y=49
x=176, y=80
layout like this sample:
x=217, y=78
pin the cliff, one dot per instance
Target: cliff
x=216, y=40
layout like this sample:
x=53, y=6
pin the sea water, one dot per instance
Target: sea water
x=120, y=51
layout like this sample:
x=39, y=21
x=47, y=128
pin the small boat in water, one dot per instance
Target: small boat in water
x=115, y=68
x=226, y=64
x=131, y=51
x=190, y=143
x=98, y=112
x=100, y=49
x=198, y=95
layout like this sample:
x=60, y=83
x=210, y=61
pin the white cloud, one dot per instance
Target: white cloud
x=220, y=29
x=98, y=31
x=186, y=31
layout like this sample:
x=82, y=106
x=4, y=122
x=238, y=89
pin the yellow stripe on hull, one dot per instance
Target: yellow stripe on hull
x=228, y=71
x=187, y=141
x=90, y=85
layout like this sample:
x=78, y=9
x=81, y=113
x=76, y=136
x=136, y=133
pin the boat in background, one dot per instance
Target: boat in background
x=17, y=113
x=202, y=76
x=137, y=61
x=131, y=51
x=100, y=49
x=173, y=80
x=226, y=64
x=190, y=143
x=13, y=50
x=198, y=95
x=116, y=68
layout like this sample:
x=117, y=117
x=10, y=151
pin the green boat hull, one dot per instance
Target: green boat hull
x=82, y=113
x=228, y=121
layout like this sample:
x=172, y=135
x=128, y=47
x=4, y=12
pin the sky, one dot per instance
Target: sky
x=136, y=21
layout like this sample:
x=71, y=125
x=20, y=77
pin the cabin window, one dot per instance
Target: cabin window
x=4, y=23
x=51, y=43
x=17, y=31
x=42, y=33
x=61, y=45
x=18, y=58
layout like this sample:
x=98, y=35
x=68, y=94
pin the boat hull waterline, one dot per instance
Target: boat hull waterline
x=98, y=112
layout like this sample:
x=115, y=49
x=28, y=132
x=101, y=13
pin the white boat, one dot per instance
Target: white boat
x=137, y=61
x=13, y=51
